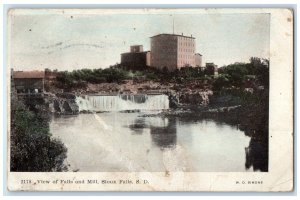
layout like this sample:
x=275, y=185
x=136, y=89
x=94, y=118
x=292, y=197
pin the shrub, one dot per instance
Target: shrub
x=32, y=148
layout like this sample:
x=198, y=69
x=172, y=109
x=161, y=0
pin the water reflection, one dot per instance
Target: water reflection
x=166, y=136
x=257, y=156
x=162, y=130
x=138, y=125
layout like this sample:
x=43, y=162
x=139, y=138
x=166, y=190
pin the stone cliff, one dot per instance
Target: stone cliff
x=63, y=103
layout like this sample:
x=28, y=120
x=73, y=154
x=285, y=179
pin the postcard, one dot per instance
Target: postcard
x=150, y=99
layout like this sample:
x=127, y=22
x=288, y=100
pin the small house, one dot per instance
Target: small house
x=29, y=82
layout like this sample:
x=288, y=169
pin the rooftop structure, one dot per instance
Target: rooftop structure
x=28, y=74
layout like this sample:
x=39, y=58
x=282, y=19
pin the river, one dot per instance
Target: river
x=130, y=142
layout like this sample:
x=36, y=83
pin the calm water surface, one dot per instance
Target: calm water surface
x=127, y=142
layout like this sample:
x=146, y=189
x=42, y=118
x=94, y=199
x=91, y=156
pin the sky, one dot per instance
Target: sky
x=64, y=40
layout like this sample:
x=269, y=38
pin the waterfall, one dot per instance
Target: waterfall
x=122, y=102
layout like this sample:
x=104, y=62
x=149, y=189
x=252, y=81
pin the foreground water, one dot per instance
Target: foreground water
x=125, y=142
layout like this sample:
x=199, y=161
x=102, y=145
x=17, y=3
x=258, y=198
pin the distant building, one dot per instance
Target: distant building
x=28, y=82
x=136, y=58
x=211, y=69
x=198, y=60
x=173, y=51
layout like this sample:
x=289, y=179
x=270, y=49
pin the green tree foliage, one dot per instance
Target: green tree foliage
x=236, y=73
x=190, y=73
x=230, y=75
x=78, y=78
x=261, y=69
x=239, y=72
x=32, y=148
x=222, y=81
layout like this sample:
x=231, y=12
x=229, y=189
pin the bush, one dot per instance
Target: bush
x=32, y=148
x=222, y=81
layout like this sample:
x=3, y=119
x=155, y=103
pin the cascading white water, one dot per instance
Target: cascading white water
x=122, y=102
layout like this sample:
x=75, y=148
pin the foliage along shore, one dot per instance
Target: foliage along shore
x=32, y=149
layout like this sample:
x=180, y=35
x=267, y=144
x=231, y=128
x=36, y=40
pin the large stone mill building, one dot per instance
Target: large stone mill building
x=172, y=51
x=169, y=51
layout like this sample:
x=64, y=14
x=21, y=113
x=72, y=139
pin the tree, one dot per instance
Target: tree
x=236, y=73
x=261, y=67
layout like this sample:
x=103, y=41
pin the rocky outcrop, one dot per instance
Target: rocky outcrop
x=173, y=101
x=184, y=94
x=63, y=103
x=198, y=97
